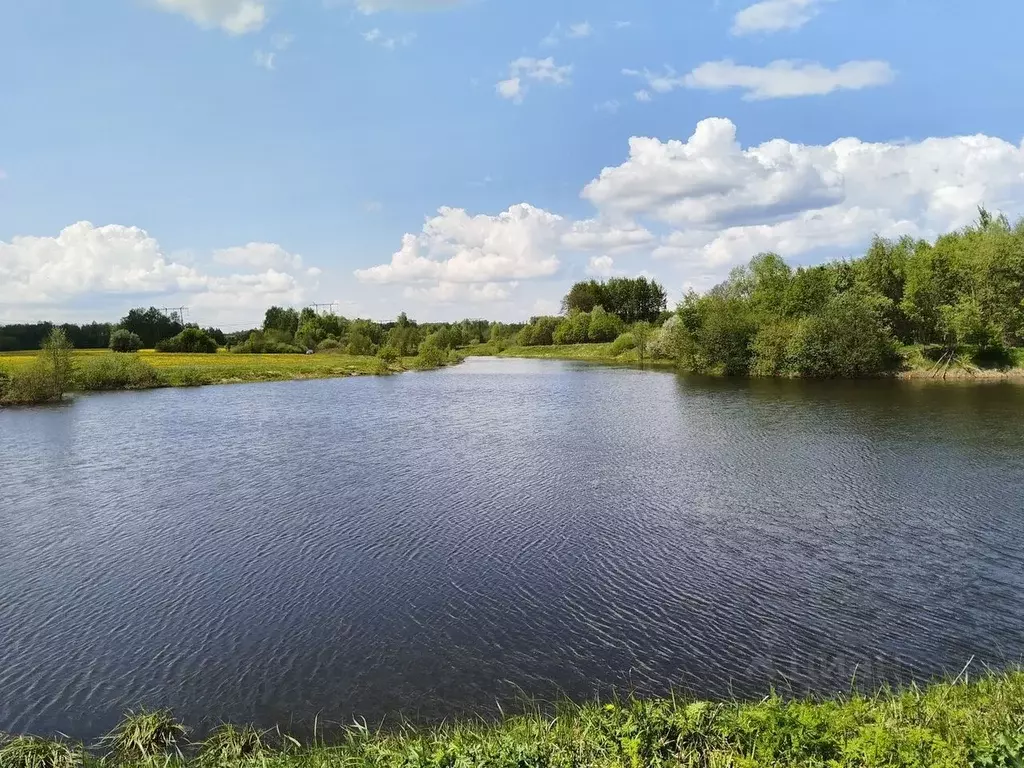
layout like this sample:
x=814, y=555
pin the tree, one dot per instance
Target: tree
x=151, y=325
x=604, y=326
x=123, y=340
x=583, y=297
x=846, y=339
x=56, y=361
x=642, y=336
x=573, y=329
x=191, y=340
x=281, y=319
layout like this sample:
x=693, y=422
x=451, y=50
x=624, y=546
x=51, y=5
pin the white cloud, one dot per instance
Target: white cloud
x=454, y=247
x=611, y=106
x=450, y=293
x=602, y=266
x=779, y=79
x=775, y=15
x=724, y=203
x=109, y=268
x=580, y=29
x=514, y=88
x=236, y=17
x=601, y=235
x=265, y=59
x=785, y=79
x=391, y=43
x=623, y=24
x=259, y=256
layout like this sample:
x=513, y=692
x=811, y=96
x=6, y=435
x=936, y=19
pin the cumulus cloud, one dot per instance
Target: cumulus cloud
x=786, y=79
x=723, y=203
x=659, y=82
x=377, y=37
x=454, y=247
x=526, y=68
x=258, y=256
x=775, y=15
x=602, y=266
x=100, y=264
x=236, y=17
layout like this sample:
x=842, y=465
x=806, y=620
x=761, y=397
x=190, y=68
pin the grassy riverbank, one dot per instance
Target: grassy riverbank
x=954, y=725
x=101, y=370
x=916, y=365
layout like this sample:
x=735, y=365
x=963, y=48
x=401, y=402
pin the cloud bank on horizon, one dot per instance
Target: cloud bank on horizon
x=600, y=157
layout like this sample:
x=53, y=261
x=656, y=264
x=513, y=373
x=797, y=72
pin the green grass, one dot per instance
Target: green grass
x=950, y=725
x=102, y=370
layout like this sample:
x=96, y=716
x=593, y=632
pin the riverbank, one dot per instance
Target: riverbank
x=101, y=370
x=949, y=725
x=916, y=366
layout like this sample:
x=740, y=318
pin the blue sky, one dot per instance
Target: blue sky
x=473, y=158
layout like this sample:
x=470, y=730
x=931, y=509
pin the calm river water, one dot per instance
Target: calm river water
x=435, y=543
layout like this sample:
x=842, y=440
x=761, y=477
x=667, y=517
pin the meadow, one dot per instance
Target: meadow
x=101, y=369
x=959, y=724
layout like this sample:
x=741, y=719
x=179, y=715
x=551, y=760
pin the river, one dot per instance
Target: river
x=438, y=543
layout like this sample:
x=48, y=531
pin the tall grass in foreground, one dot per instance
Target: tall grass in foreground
x=951, y=725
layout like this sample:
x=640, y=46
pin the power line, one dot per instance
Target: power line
x=178, y=313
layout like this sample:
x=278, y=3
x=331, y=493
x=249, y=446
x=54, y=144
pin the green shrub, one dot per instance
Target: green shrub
x=572, y=330
x=771, y=349
x=190, y=377
x=994, y=354
x=329, y=345
x=604, y=326
x=32, y=383
x=191, y=340
x=123, y=340
x=388, y=355
x=116, y=372
x=539, y=333
x=623, y=343
x=847, y=339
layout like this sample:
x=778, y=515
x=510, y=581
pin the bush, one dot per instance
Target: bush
x=604, y=326
x=116, y=372
x=432, y=354
x=540, y=332
x=329, y=345
x=123, y=340
x=32, y=383
x=847, y=339
x=995, y=354
x=572, y=330
x=388, y=355
x=672, y=341
x=771, y=349
x=624, y=343
x=191, y=340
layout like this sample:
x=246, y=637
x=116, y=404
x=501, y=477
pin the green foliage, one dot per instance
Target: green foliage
x=144, y=735
x=190, y=340
x=389, y=355
x=56, y=361
x=725, y=329
x=33, y=752
x=631, y=299
x=432, y=353
x=229, y=745
x=123, y=340
x=266, y=343
x=642, y=334
x=329, y=345
x=604, y=326
x=573, y=329
x=772, y=348
x=539, y=333
x=952, y=725
x=151, y=325
x=623, y=343
x=281, y=319
x=109, y=372
x=847, y=339
x=29, y=384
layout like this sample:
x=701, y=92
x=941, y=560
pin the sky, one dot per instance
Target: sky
x=474, y=158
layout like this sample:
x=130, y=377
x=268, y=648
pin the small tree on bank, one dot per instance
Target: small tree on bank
x=123, y=340
x=56, y=360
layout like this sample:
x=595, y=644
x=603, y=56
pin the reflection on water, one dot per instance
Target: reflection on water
x=434, y=543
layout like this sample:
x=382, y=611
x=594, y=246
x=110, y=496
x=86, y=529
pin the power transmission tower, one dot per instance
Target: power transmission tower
x=176, y=313
x=328, y=308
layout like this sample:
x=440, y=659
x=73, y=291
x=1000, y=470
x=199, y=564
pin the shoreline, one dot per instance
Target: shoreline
x=598, y=354
x=939, y=725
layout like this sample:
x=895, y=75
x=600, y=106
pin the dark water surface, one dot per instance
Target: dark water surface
x=434, y=543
